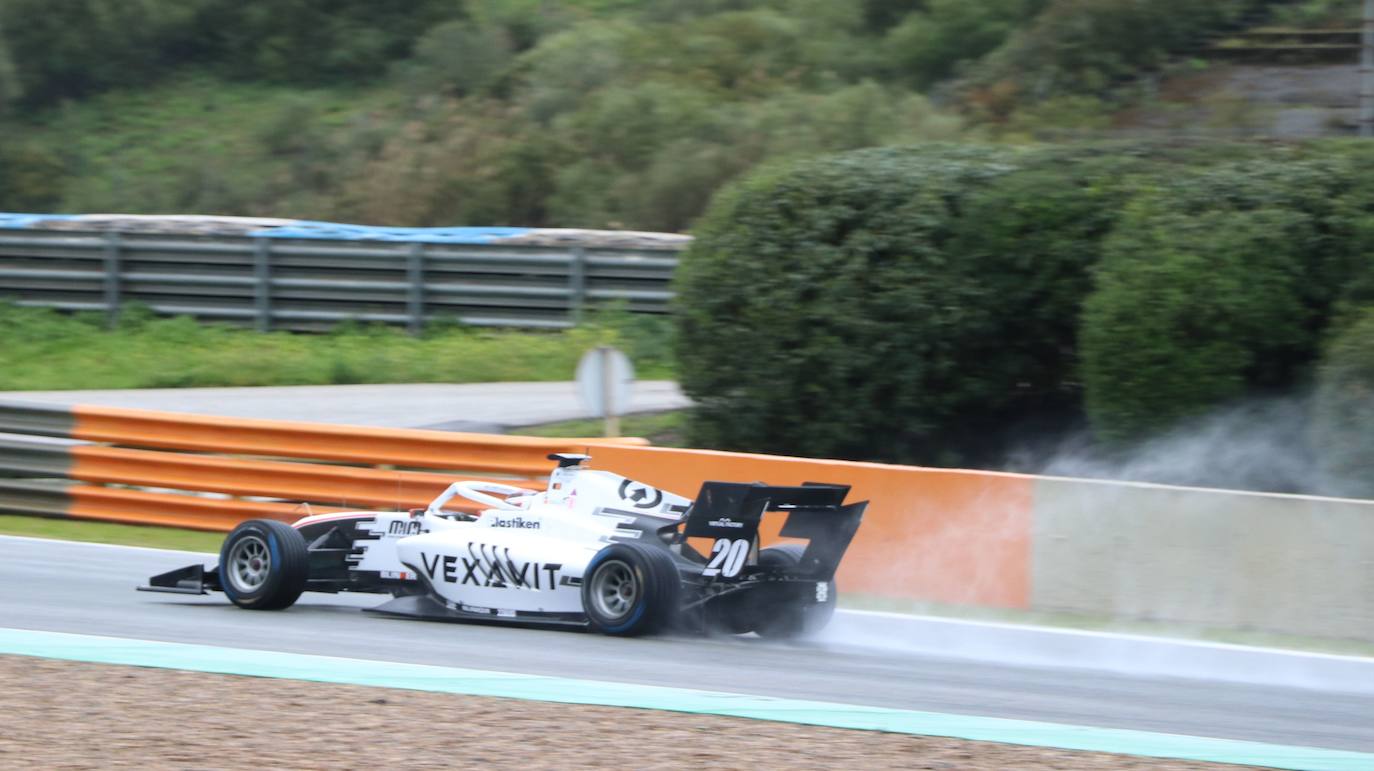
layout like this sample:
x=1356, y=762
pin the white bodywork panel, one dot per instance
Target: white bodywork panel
x=526, y=553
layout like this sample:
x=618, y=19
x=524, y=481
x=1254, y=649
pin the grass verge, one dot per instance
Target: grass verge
x=108, y=532
x=663, y=429
x=48, y=350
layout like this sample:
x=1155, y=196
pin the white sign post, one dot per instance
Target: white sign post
x=604, y=378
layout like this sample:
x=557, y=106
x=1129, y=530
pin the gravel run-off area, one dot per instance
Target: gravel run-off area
x=69, y=715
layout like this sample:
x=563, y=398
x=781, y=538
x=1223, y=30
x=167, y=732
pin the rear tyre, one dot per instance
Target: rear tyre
x=630, y=589
x=798, y=614
x=264, y=565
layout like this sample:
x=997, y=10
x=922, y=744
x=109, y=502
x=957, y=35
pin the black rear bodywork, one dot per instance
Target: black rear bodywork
x=730, y=511
x=816, y=512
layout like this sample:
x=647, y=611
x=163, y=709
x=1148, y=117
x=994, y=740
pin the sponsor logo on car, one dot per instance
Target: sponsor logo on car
x=640, y=495
x=491, y=567
x=519, y=523
x=725, y=522
x=403, y=527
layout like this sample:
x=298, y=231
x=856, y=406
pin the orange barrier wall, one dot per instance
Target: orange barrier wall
x=319, y=483
x=929, y=534
x=189, y=454
x=934, y=535
x=520, y=455
x=138, y=507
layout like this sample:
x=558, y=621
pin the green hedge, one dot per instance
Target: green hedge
x=1189, y=309
x=1218, y=284
x=1343, y=410
x=933, y=304
x=899, y=304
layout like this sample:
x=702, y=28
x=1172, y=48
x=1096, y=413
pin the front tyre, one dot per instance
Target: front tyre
x=800, y=615
x=263, y=565
x=630, y=589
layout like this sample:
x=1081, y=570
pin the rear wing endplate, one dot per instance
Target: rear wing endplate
x=816, y=512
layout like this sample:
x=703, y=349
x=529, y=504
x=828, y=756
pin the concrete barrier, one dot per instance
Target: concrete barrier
x=1279, y=563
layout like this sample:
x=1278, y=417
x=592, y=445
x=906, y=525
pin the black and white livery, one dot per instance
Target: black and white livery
x=594, y=549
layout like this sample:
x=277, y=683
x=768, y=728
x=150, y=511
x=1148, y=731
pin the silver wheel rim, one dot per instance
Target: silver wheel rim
x=614, y=590
x=249, y=564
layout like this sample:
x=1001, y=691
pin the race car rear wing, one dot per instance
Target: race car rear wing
x=731, y=511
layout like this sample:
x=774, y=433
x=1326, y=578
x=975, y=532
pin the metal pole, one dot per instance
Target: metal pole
x=1367, y=71
x=608, y=388
x=415, y=295
x=577, y=284
x=111, y=279
x=262, y=284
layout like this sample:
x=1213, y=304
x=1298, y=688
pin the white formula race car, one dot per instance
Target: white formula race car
x=593, y=550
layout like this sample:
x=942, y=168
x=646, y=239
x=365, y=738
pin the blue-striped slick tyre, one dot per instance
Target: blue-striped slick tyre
x=630, y=589
x=264, y=565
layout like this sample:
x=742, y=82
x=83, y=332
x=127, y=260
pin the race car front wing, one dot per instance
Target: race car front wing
x=192, y=579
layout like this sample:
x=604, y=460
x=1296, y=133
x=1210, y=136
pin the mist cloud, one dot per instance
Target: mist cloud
x=1261, y=445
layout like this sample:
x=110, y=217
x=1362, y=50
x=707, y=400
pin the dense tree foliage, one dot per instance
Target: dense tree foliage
x=28, y=178
x=70, y=48
x=935, y=41
x=1083, y=46
x=596, y=113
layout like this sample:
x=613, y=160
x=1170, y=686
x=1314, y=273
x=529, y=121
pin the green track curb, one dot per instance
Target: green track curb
x=473, y=682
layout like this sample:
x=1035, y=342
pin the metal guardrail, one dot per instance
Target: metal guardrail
x=34, y=498
x=24, y=457
x=275, y=283
x=35, y=419
x=206, y=472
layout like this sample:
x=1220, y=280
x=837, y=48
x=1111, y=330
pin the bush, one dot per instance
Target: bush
x=71, y=48
x=1083, y=46
x=1343, y=410
x=920, y=304
x=565, y=67
x=1190, y=310
x=10, y=87
x=894, y=304
x=459, y=57
x=30, y=178
x=1347, y=267
x=1317, y=14
x=1218, y=285
x=315, y=41
x=76, y=47
x=929, y=45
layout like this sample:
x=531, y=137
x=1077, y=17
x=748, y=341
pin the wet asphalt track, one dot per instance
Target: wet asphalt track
x=67, y=587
